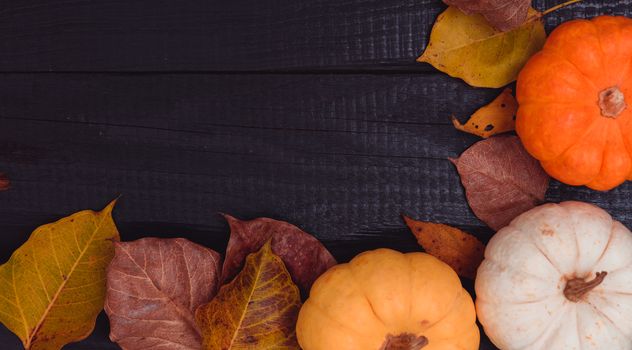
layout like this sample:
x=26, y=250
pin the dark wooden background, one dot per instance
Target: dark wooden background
x=310, y=111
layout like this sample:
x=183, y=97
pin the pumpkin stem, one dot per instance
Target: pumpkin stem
x=404, y=341
x=612, y=102
x=576, y=288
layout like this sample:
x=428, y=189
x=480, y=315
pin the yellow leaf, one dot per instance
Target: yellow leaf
x=467, y=47
x=462, y=251
x=53, y=286
x=495, y=118
x=257, y=310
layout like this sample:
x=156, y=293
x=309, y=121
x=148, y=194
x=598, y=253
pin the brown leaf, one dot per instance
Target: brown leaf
x=304, y=256
x=501, y=180
x=494, y=118
x=4, y=182
x=462, y=251
x=257, y=310
x=154, y=287
x=503, y=15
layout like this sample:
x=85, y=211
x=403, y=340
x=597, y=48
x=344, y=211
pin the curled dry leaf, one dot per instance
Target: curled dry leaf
x=52, y=288
x=503, y=15
x=495, y=118
x=462, y=251
x=257, y=310
x=501, y=180
x=304, y=256
x=467, y=47
x=4, y=182
x=154, y=287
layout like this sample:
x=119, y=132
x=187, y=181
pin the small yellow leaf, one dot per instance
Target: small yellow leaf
x=462, y=251
x=467, y=47
x=257, y=310
x=53, y=286
x=494, y=118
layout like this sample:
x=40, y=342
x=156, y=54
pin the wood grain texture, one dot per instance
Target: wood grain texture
x=214, y=35
x=341, y=156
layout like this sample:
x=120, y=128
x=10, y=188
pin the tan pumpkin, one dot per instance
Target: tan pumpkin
x=559, y=277
x=386, y=300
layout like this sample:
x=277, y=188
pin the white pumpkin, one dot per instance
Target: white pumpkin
x=558, y=277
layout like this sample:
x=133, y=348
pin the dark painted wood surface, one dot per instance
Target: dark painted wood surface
x=193, y=35
x=312, y=112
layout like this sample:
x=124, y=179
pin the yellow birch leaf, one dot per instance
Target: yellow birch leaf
x=53, y=286
x=462, y=251
x=257, y=310
x=494, y=118
x=467, y=47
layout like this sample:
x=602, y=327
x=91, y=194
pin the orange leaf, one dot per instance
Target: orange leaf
x=494, y=118
x=4, y=182
x=462, y=251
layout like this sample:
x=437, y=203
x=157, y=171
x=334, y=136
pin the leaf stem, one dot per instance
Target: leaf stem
x=557, y=7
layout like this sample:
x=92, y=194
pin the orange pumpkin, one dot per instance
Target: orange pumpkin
x=387, y=300
x=573, y=115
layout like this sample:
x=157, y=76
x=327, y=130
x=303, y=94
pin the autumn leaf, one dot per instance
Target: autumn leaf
x=4, y=182
x=467, y=47
x=503, y=15
x=501, y=180
x=495, y=118
x=257, y=310
x=462, y=251
x=154, y=287
x=53, y=286
x=305, y=257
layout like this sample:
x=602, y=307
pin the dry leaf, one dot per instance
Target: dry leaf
x=467, y=47
x=154, y=287
x=257, y=310
x=4, y=182
x=501, y=180
x=495, y=118
x=462, y=251
x=304, y=256
x=53, y=286
x=503, y=15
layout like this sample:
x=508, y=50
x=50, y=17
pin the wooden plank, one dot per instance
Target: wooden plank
x=213, y=35
x=339, y=155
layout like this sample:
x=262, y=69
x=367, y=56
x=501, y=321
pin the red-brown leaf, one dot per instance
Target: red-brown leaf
x=501, y=180
x=304, y=256
x=154, y=287
x=4, y=182
x=459, y=249
x=503, y=15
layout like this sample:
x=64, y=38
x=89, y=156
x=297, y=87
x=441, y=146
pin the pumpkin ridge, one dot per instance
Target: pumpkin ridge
x=549, y=330
x=607, y=318
x=560, y=56
x=337, y=321
x=603, y=156
x=624, y=74
x=535, y=243
x=452, y=306
x=626, y=146
x=366, y=297
x=607, y=246
x=593, y=125
x=592, y=183
x=512, y=269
